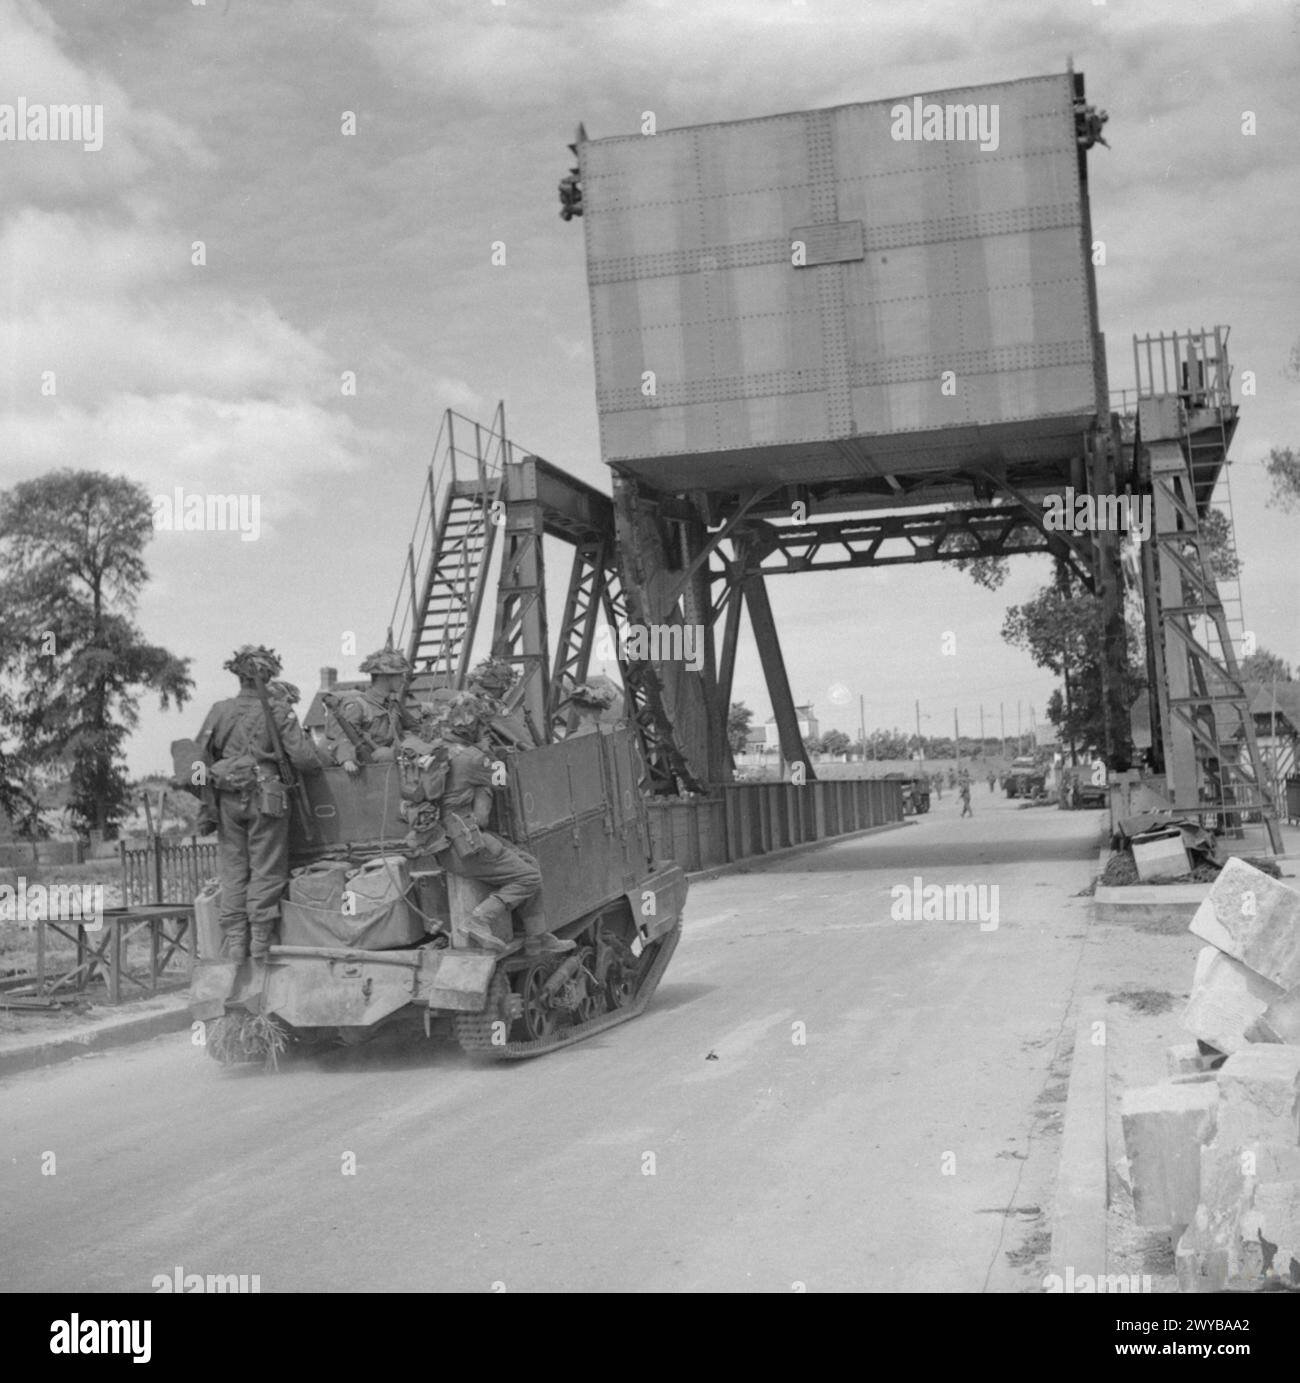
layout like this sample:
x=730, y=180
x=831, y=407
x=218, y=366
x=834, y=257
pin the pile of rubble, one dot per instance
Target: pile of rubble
x=1214, y=1152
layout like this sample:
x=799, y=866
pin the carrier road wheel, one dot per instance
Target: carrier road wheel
x=594, y=1001
x=538, y=1019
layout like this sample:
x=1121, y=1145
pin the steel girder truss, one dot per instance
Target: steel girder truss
x=1212, y=759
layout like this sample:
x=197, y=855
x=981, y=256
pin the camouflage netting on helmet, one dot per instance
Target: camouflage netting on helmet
x=494, y=675
x=593, y=696
x=465, y=713
x=254, y=660
x=387, y=660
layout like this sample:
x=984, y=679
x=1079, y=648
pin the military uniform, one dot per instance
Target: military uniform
x=253, y=843
x=376, y=715
x=490, y=681
x=512, y=874
x=378, y=719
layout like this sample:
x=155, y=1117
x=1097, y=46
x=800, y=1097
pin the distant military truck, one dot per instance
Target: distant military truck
x=1083, y=785
x=1026, y=777
x=338, y=976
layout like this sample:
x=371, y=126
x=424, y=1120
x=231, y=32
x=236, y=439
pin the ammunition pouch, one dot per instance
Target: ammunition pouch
x=272, y=795
x=464, y=834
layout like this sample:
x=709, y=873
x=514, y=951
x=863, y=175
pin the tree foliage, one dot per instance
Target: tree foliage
x=1283, y=467
x=71, y=568
x=1061, y=629
x=1263, y=666
x=738, y=722
x=835, y=742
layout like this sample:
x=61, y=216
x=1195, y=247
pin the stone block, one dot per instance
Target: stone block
x=1164, y=1129
x=1227, y=1000
x=1255, y=919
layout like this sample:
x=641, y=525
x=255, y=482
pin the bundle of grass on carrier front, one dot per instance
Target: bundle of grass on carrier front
x=241, y=1039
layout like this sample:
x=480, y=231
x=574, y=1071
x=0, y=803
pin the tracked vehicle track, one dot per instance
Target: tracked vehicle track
x=474, y=1030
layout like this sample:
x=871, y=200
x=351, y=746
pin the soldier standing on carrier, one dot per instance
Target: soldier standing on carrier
x=475, y=853
x=252, y=802
x=377, y=716
x=491, y=681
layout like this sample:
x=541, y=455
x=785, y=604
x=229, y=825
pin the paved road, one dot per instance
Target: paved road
x=905, y=1144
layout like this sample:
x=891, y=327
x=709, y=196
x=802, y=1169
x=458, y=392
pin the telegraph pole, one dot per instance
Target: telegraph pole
x=1020, y=743
x=862, y=724
x=919, y=745
x=981, y=729
x=956, y=738
x=1002, y=716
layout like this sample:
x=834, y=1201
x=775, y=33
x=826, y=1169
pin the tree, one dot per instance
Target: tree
x=835, y=742
x=812, y=745
x=71, y=568
x=1283, y=467
x=738, y=719
x=989, y=572
x=1263, y=666
x=1219, y=546
x=1061, y=629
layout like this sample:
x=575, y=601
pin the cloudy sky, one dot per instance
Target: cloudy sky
x=371, y=253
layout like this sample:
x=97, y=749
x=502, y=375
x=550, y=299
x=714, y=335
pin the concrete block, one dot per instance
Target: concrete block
x=1164, y=1129
x=1281, y=1020
x=1187, y=1059
x=1255, y=1239
x=1270, y=1233
x=1161, y=857
x=1255, y=919
x=1257, y=1134
x=1227, y=1000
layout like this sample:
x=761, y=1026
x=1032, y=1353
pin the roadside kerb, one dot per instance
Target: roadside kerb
x=115, y=1030
x=1079, y=1214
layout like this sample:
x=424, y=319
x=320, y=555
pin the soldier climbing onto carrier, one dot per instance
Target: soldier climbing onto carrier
x=366, y=726
x=459, y=775
x=252, y=801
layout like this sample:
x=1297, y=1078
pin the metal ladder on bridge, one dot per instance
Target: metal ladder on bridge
x=436, y=611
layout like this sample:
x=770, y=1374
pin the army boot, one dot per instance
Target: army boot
x=234, y=945
x=260, y=946
x=547, y=944
x=480, y=923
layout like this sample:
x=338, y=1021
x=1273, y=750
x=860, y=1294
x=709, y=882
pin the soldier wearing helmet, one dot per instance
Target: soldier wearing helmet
x=491, y=681
x=590, y=701
x=251, y=801
x=367, y=726
x=472, y=851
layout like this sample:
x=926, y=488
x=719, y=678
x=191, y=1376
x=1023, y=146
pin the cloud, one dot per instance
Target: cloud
x=34, y=64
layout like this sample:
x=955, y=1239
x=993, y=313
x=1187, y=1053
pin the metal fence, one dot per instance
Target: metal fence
x=747, y=819
x=166, y=871
x=739, y=821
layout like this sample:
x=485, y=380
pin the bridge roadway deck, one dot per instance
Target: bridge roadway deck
x=909, y=1143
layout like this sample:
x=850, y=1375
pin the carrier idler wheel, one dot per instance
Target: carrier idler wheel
x=538, y=1018
x=617, y=972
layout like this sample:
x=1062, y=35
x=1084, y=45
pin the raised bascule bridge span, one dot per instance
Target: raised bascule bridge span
x=823, y=341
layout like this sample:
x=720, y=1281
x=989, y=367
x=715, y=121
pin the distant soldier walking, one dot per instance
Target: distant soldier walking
x=965, y=797
x=252, y=801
